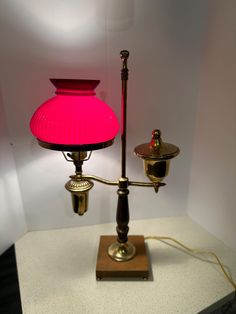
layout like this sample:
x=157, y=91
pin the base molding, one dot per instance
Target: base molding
x=137, y=267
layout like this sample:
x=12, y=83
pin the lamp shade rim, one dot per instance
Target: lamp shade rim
x=75, y=84
x=75, y=148
x=165, y=152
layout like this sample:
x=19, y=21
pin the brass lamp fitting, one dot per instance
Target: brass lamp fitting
x=79, y=189
x=156, y=156
x=78, y=186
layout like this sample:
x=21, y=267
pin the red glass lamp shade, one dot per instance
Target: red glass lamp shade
x=75, y=119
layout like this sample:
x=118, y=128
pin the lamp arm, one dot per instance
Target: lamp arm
x=129, y=183
x=99, y=179
x=154, y=185
x=146, y=184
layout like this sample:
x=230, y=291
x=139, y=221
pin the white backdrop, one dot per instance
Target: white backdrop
x=82, y=39
x=177, y=65
x=182, y=79
x=212, y=197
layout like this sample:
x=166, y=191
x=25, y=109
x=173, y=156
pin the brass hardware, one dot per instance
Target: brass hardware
x=156, y=156
x=115, y=183
x=78, y=186
x=124, y=54
x=136, y=267
x=121, y=252
x=98, y=179
x=77, y=156
x=146, y=184
x=75, y=148
x=156, y=149
x=156, y=170
x=156, y=141
x=79, y=189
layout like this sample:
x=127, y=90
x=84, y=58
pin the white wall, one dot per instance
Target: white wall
x=12, y=218
x=174, y=85
x=82, y=39
x=212, y=198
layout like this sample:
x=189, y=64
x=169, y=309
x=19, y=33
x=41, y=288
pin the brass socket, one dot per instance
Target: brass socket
x=79, y=189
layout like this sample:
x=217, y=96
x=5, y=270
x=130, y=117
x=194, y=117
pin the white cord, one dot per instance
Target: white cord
x=195, y=252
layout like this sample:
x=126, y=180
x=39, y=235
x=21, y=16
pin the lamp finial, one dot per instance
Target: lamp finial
x=124, y=54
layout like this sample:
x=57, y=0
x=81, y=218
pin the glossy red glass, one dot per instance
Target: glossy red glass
x=75, y=116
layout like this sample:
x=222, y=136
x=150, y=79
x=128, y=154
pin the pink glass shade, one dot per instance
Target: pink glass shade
x=75, y=119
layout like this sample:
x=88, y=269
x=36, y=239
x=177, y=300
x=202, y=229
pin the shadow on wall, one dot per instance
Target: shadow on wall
x=12, y=220
x=5, y=142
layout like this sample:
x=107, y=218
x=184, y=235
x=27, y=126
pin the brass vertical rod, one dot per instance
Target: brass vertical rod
x=122, y=250
x=122, y=213
x=124, y=77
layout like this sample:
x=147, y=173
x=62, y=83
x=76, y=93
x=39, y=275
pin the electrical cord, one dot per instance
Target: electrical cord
x=195, y=252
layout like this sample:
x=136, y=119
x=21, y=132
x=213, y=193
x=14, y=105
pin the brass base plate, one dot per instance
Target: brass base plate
x=137, y=267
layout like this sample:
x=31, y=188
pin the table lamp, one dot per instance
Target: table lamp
x=76, y=123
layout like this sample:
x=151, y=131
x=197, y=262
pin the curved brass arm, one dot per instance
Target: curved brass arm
x=146, y=184
x=101, y=180
x=116, y=183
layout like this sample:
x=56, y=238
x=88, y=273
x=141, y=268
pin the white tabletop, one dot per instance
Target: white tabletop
x=57, y=272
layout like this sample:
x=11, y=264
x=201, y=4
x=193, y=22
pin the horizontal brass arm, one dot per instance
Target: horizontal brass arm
x=101, y=180
x=116, y=183
x=146, y=184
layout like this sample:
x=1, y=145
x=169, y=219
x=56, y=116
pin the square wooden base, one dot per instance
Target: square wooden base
x=137, y=267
